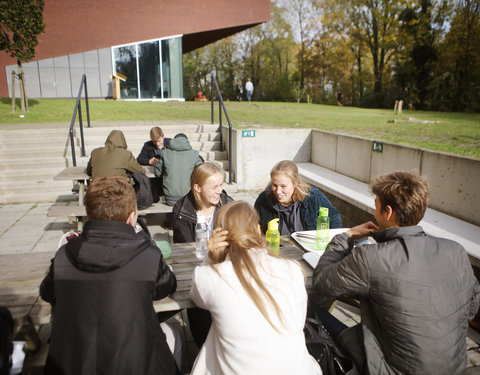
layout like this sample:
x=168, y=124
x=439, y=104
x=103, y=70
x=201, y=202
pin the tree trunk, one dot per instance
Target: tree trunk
x=23, y=98
x=13, y=91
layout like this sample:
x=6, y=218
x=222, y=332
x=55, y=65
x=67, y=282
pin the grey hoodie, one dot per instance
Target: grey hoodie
x=175, y=167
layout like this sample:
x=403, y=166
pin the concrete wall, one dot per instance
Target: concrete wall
x=454, y=180
x=254, y=157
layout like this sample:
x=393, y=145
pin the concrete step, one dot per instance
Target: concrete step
x=32, y=186
x=31, y=157
x=48, y=150
x=38, y=162
x=168, y=129
x=54, y=162
x=33, y=174
x=43, y=196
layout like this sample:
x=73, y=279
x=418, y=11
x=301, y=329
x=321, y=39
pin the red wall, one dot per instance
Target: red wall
x=74, y=26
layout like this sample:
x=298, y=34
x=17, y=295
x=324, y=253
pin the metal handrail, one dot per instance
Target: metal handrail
x=221, y=105
x=78, y=108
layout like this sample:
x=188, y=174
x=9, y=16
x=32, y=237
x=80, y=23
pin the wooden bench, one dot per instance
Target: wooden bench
x=358, y=194
x=78, y=213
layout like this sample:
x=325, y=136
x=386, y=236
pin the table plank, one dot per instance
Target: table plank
x=21, y=275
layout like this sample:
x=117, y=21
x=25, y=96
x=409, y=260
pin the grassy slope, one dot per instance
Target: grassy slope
x=457, y=133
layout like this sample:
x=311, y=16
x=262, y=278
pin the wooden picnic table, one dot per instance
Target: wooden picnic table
x=79, y=175
x=21, y=275
x=78, y=212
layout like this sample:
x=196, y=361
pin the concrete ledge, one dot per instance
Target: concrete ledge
x=358, y=194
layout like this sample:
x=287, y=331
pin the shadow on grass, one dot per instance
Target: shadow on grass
x=8, y=101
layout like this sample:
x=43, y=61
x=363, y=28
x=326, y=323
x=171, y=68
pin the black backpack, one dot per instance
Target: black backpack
x=6, y=336
x=143, y=190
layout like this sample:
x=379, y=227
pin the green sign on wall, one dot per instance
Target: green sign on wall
x=248, y=133
x=377, y=146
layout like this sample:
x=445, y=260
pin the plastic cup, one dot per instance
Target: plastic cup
x=165, y=248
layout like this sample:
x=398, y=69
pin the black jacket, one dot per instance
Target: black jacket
x=185, y=216
x=149, y=150
x=416, y=293
x=101, y=286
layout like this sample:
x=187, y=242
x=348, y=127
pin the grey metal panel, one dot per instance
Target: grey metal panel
x=77, y=68
x=8, y=72
x=62, y=77
x=32, y=83
x=47, y=78
x=105, y=66
x=92, y=73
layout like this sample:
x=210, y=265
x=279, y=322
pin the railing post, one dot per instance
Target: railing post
x=86, y=102
x=74, y=160
x=230, y=156
x=212, y=77
x=81, y=126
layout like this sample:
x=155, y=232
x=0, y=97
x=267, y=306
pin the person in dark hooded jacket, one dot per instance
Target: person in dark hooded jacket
x=175, y=166
x=102, y=285
x=113, y=159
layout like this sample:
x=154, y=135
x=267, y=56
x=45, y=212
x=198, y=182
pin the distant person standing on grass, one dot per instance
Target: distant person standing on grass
x=239, y=89
x=249, y=89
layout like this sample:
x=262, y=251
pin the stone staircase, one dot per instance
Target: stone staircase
x=30, y=156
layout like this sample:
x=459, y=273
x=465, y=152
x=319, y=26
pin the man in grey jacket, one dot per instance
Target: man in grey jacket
x=175, y=166
x=416, y=291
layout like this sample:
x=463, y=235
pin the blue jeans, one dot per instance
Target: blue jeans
x=331, y=324
x=249, y=95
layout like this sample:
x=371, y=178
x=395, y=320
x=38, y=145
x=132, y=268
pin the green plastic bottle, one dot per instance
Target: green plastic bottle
x=323, y=225
x=273, y=236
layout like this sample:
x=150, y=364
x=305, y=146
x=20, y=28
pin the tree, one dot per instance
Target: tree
x=21, y=21
x=423, y=26
x=459, y=80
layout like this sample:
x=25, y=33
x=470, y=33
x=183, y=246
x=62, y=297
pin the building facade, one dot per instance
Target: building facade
x=143, y=40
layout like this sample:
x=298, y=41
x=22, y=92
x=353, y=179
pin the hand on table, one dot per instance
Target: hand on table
x=217, y=243
x=363, y=230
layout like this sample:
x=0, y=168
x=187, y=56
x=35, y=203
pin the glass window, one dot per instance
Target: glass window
x=126, y=64
x=149, y=67
x=172, y=68
x=156, y=78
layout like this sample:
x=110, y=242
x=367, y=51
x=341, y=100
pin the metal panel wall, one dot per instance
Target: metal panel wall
x=77, y=69
x=105, y=68
x=62, y=77
x=92, y=72
x=47, y=78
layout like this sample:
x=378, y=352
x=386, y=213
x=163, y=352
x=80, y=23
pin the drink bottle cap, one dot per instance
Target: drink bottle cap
x=323, y=211
x=273, y=224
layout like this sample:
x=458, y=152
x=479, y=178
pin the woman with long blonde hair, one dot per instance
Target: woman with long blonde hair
x=293, y=201
x=257, y=301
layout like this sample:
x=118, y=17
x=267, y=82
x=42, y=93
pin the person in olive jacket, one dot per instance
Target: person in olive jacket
x=113, y=159
x=102, y=285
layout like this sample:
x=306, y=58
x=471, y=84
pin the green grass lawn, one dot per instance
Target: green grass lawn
x=457, y=133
